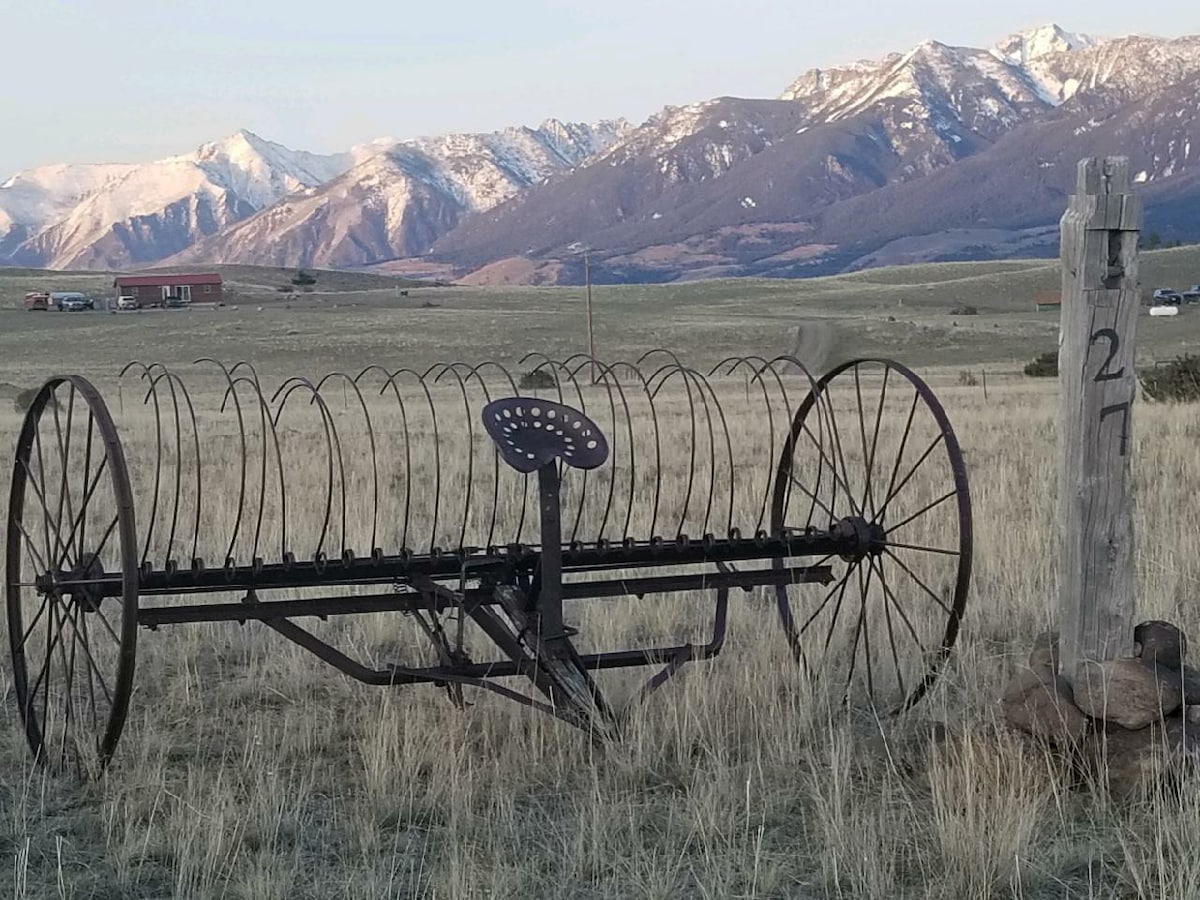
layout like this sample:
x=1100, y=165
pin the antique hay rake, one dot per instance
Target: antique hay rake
x=483, y=509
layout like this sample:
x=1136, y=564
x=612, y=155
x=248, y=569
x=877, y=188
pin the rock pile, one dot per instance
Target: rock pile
x=1131, y=722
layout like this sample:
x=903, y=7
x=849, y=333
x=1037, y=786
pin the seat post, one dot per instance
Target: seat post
x=550, y=593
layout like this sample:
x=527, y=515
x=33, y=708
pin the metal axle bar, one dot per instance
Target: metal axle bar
x=411, y=601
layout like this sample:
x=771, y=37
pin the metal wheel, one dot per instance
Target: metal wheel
x=70, y=524
x=871, y=456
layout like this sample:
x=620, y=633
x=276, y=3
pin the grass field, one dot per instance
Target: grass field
x=250, y=770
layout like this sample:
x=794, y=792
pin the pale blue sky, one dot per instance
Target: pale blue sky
x=132, y=80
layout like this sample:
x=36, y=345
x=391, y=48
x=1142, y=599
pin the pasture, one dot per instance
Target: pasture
x=248, y=769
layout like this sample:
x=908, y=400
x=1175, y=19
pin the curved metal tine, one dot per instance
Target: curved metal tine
x=614, y=447
x=333, y=448
x=607, y=374
x=477, y=371
x=462, y=387
x=171, y=381
x=789, y=412
x=790, y=360
x=583, y=475
x=387, y=376
x=267, y=423
x=437, y=453
x=657, y=497
x=669, y=370
x=231, y=391
x=252, y=380
x=362, y=403
x=734, y=364
x=706, y=393
x=147, y=375
x=827, y=427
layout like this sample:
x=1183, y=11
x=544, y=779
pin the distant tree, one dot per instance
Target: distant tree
x=304, y=279
x=1154, y=241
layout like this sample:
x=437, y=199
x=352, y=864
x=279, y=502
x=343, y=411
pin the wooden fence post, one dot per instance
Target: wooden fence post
x=1097, y=385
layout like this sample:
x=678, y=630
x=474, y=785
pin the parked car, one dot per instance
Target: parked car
x=1167, y=297
x=1191, y=297
x=73, y=305
x=128, y=303
x=37, y=301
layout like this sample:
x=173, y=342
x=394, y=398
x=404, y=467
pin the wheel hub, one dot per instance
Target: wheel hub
x=79, y=585
x=860, y=538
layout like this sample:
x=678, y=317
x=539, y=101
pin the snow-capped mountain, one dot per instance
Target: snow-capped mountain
x=109, y=216
x=399, y=201
x=736, y=186
x=1024, y=47
x=846, y=161
x=105, y=216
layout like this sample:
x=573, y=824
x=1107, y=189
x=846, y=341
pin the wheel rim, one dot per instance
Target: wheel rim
x=871, y=452
x=71, y=522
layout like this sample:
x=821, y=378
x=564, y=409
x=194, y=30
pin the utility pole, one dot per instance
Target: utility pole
x=587, y=277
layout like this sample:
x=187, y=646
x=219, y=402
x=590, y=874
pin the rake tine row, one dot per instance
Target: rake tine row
x=403, y=473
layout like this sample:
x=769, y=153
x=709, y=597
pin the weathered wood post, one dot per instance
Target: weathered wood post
x=1097, y=384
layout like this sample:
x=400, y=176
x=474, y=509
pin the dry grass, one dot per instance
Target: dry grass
x=249, y=770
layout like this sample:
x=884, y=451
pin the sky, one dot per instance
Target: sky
x=135, y=80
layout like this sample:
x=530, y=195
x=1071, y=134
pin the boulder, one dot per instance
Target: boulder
x=1040, y=703
x=1132, y=762
x=1127, y=692
x=1191, y=686
x=1160, y=642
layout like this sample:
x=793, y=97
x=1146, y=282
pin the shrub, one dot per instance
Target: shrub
x=1045, y=366
x=1177, y=380
x=538, y=379
x=304, y=279
x=964, y=309
x=25, y=398
x=967, y=378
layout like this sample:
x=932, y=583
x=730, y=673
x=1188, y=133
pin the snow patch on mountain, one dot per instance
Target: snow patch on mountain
x=1024, y=47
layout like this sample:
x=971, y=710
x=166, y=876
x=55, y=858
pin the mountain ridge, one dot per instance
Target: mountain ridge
x=787, y=186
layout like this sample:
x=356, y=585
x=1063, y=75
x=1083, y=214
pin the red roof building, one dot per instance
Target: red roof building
x=154, y=290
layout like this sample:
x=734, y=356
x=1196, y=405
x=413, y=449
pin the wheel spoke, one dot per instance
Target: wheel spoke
x=824, y=602
x=938, y=502
x=87, y=467
x=30, y=546
x=837, y=610
x=837, y=477
x=909, y=572
x=911, y=472
x=52, y=638
x=68, y=662
x=39, y=490
x=870, y=458
x=912, y=412
x=941, y=551
x=64, y=453
x=47, y=516
x=79, y=519
x=865, y=594
x=80, y=629
x=837, y=444
x=858, y=629
x=890, y=601
x=826, y=509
